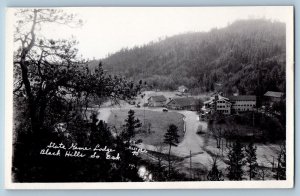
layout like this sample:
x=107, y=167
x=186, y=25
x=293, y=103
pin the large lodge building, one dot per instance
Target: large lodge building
x=243, y=102
x=226, y=105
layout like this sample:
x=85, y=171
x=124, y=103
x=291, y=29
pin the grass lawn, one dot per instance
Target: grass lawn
x=159, y=121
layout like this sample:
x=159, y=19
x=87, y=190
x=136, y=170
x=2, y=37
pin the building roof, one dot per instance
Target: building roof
x=221, y=98
x=212, y=98
x=208, y=101
x=182, y=87
x=243, y=98
x=273, y=94
x=226, y=100
x=158, y=98
x=184, y=101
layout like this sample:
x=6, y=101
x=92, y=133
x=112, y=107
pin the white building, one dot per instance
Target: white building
x=271, y=97
x=243, y=102
x=182, y=89
x=226, y=105
x=218, y=103
x=157, y=101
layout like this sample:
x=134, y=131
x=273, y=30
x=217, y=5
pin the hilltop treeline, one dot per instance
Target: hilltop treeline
x=248, y=56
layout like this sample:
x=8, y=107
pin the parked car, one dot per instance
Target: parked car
x=165, y=110
x=138, y=106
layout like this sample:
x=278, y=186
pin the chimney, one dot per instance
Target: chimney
x=216, y=97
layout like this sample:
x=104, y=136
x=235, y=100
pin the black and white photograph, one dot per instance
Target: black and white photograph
x=149, y=97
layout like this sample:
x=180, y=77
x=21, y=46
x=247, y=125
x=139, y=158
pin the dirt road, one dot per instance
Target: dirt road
x=192, y=142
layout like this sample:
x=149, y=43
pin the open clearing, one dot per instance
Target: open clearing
x=159, y=123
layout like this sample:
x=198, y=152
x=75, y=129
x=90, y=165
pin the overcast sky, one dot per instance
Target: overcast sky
x=107, y=30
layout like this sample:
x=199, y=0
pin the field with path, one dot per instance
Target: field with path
x=158, y=122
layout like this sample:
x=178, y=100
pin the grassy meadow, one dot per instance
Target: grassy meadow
x=154, y=124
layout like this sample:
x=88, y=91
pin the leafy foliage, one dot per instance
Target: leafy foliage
x=49, y=71
x=53, y=86
x=266, y=128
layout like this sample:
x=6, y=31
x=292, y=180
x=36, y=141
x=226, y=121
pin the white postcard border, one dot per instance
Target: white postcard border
x=288, y=183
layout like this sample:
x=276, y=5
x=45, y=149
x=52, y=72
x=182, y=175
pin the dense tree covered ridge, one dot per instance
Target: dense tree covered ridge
x=246, y=56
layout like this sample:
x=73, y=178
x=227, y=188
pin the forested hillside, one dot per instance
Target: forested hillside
x=248, y=57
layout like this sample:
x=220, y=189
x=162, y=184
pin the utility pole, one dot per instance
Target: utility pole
x=253, y=118
x=222, y=145
x=143, y=97
x=253, y=131
x=190, y=164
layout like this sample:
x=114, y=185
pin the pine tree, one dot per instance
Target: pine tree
x=236, y=162
x=281, y=164
x=171, y=138
x=131, y=124
x=215, y=174
x=128, y=167
x=251, y=160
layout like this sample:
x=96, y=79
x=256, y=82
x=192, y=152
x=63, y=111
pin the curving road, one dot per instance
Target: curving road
x=192, y=142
